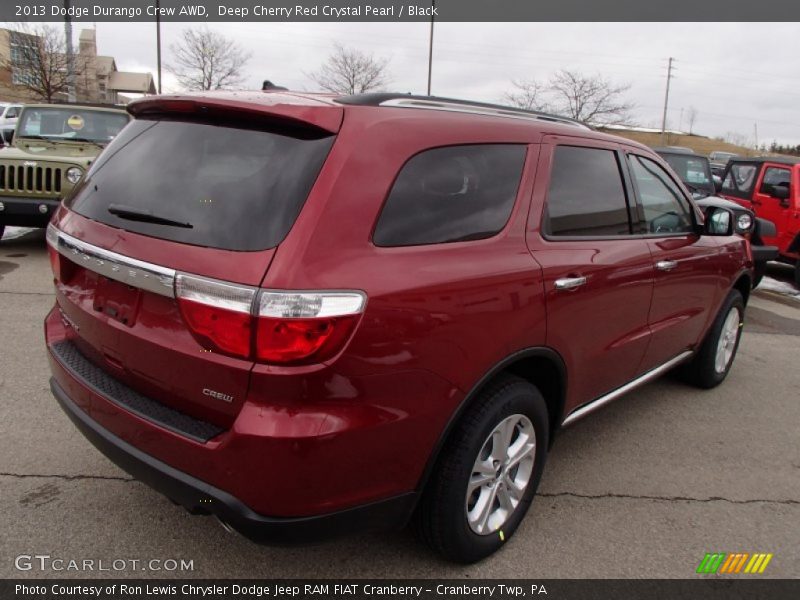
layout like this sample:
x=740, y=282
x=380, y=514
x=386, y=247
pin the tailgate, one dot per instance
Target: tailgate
x=160, y=249
x=124, y=318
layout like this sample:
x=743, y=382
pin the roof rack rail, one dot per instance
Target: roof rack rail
x=454, y=105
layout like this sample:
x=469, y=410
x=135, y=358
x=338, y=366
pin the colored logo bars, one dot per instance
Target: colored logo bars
x=741, y=562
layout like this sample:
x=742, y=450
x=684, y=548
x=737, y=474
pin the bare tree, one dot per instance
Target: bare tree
x=735, y=138
x=692, y=117
x=528, y=94
x=207, y=60
x=592, y=99
x=350, y=71
x=38, y=61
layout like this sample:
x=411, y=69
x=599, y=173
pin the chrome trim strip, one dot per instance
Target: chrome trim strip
x=592, y=406
x=476, y=110
x=137, y=273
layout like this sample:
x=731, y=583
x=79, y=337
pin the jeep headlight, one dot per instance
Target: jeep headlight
x=74, y=175
x=744, y=222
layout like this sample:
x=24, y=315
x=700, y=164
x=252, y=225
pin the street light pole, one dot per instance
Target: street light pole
x=158, y=42
x=70, y=53
x=430, y=46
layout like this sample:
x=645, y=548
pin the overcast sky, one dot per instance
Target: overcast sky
x=736, y=75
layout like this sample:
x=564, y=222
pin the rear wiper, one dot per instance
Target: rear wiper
x=145, y=216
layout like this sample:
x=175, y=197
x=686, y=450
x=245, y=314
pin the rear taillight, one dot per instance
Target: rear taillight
x=219, y=314
x=268, y=326
x=305, y=327
x=52, y=251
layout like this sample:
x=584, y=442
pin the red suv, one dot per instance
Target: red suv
x=770, y=187
x=308, y=315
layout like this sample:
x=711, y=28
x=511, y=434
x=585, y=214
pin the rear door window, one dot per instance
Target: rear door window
x=222, y=186
x=586, y=197
x=451, y=194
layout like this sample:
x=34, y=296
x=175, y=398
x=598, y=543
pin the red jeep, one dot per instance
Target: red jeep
x=308, y=315
x=770, y=187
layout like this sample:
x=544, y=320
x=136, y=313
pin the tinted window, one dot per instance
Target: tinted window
x=451, y=194
x=692, y=170
x=239, y=189
x=586, y=195
x=664, y=207
x=11, y=113
x=775, y=176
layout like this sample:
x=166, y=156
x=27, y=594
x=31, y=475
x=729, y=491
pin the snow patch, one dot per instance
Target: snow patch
x=15, y=232
x=781, y=287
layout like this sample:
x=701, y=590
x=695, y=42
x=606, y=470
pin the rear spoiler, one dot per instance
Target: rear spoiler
x=284, y=109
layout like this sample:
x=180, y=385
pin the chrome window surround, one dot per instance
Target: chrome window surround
x=137, y=273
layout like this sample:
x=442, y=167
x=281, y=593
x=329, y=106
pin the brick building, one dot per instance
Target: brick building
x=97, y=78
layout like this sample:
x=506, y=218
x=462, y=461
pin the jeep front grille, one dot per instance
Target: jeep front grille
x=33, y=180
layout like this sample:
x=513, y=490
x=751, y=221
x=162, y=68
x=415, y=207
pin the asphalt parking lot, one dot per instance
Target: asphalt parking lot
x=643, y=488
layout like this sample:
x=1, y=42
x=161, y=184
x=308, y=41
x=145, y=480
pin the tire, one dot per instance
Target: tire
x=452, y=523
x=711, y=364
x=797, y=274
x=759, y=271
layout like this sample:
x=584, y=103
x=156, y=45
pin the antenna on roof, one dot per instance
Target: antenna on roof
x=268, y=85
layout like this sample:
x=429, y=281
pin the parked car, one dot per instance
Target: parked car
x=8, y=114
x=8, y=120
x=719, y=160
x=770, y=187
x=51, y=149
x=695, y=173
x=309, y=315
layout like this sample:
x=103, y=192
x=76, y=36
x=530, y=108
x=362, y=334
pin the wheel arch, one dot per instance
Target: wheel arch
x=744, y=284
x=541, y=366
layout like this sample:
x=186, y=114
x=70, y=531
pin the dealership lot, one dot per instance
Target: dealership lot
x=643, y=488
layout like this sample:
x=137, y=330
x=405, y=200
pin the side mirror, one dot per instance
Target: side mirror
x=719, y=221
x=781, y=192
x=8, y=136
x=717, y=183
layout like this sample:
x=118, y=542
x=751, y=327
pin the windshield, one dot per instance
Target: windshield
x=694, y=171
x=71, y=123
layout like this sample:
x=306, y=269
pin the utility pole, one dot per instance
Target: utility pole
x=430, y=46
x=158, y=42
x=70, y=53
x=666, y=102
x=755, y=134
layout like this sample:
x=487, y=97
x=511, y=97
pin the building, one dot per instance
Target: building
x=97, y=77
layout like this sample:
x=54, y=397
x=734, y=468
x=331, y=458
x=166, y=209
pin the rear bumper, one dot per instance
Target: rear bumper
x=26, y=212
x=200, y=497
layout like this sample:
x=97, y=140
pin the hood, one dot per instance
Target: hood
x=80, y=153
x=717, y=201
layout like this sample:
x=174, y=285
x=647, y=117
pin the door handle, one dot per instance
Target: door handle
x=570, y=283
x=666, y=265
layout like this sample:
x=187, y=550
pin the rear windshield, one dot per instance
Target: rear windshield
x=691, y=169
x=221, y=186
